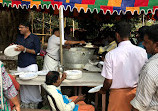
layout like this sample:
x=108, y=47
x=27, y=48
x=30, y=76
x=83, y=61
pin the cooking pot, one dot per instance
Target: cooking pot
x=76, y=57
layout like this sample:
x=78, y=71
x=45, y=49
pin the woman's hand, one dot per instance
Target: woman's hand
x=16, y=108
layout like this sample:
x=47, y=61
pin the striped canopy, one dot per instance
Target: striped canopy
x=105, y=5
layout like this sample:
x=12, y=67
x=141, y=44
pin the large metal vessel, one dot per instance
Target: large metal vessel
x=76, y=57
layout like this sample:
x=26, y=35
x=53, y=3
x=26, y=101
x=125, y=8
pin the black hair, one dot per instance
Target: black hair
x=67, y=28
x=142, y=31
x=52, y=77
x=152, y=33
x=26, y=24
x=123, y=28
x=55, y=29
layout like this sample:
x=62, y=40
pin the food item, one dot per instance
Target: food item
x=89, y=45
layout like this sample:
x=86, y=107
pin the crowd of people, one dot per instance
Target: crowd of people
x=130, y=71
x=130, y=77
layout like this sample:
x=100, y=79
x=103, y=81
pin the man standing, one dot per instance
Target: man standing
x=141, y=33
x=29, y=44
x=51, y=60
x=147, y=93
x=121, y=69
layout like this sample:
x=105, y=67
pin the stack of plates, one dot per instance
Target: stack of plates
x=28, y=75
x=73, y=74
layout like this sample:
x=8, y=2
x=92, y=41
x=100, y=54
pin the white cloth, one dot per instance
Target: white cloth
x=146, y=98
x=58, y=99
x=28, y=93
x=54, y=46
x=123, y=65
x=50, y=64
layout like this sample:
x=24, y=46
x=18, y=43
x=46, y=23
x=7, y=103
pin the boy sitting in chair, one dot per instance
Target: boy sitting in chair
x=62, y=102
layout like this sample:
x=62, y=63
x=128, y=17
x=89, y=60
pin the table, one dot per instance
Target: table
x=88, y=79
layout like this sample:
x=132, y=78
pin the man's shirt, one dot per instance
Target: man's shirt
x=54, y=46
x=31, y=42
x=111, y=46
x=108, y=48
x=147, y=91
x=123, y=65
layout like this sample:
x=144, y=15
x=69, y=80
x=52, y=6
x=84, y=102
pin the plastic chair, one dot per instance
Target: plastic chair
x=52, y=98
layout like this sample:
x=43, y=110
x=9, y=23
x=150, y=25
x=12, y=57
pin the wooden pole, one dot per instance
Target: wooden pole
x=143, y=19
x=73, y=23
x=61, y=27
x=32, y=17
x=64, y=22
x=50, y=22
x=43, y=29
x=41, y=34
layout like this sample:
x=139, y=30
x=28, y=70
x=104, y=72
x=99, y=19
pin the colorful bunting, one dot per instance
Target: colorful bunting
x=104, y=5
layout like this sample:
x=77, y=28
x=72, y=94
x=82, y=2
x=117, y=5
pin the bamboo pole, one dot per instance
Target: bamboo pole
x=43, y=29
x=61, y=27
x=64, y=22
x=73, y=23
x=32, y=17
x=50, y=22
x=143, y=19
x=41, y=34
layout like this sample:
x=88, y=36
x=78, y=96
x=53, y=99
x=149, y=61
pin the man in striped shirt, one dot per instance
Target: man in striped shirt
x=147, y=92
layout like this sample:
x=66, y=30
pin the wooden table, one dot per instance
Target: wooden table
x=88, y=79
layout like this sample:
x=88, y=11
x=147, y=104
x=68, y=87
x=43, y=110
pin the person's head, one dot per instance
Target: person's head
x=56, y=32
x=53, y=78
x=141, y=32
x=68, y=29
x=111, y=36
x=122, y=31
x=151, y=39
x=24, y=27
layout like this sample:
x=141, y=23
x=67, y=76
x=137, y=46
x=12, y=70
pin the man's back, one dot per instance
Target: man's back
x=123, y=65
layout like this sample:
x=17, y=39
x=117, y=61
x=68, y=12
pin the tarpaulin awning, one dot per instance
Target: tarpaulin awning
x=105, y=5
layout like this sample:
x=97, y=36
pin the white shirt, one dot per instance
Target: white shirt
x=58, y=99
x=123, y=65
x=147, y=93
x=54, y=46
